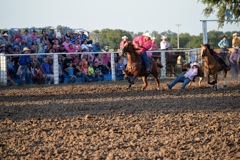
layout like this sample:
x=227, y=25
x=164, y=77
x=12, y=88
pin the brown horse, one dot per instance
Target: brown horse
x=200, y=74
x=136, y=68
x=212, y=66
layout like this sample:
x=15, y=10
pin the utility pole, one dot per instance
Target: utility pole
x=178, y=25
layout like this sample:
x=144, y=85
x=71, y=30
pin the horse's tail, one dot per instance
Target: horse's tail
x=159, y=65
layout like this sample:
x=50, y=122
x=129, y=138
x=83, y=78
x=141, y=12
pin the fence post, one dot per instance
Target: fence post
x=55, y=68
x=3, y=69
x=163, y=62
x=113, y=67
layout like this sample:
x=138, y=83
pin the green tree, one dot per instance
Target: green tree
x=230, y=6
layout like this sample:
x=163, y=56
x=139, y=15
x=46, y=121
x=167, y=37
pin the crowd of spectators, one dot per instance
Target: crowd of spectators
x=91, y=67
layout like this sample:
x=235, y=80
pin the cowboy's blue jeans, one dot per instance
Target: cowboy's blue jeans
x=182, y=79
x=24, y=74
x=145, y=59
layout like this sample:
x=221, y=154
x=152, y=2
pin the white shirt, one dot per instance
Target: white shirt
x=58, y=35
x=164, y=44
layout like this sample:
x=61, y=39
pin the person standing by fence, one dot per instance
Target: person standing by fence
x=234, y=57
x=24, y=62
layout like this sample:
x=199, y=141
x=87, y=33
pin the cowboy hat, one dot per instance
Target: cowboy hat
x=237, y=48
x=25, y=49
x=2, y=45
x=194, y=64
x=5, y=34
x=106, y=48
x=124, y=37
x=51, y=28
x=89, y=45
x=235, y=34
x=164, y=37
x=146, y=34
x=153, y=38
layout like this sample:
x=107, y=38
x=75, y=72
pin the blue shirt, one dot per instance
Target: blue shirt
x=46, y=68
x=24, y=60
x=223, y=43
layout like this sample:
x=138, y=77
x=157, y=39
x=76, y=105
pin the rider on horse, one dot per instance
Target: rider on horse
x=144, y=43
x=222, y=58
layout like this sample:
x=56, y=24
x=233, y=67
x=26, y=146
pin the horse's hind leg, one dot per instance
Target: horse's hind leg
x=145, y=84
x=224, y=79
x=157, y=81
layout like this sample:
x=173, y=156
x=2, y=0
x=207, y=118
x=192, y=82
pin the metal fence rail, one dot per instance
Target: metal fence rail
x=3, y=63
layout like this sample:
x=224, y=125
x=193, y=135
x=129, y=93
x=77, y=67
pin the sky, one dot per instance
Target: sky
x=129, y=15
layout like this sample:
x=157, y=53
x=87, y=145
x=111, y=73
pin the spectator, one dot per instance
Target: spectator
x=34, y=35
x=91, y=73
x=67, y=61
x=56, y=45
x=51, y=35
x=187, y=77
x=83, y=36
x=106, y=60
x=66, y=43
x=120, y=68
x=27, y=38
x=84, y=45
x=90, y=48
x=234, y=58
x=97, y=47
x=6, y=39
x=164, y=43
x=70, y=49
x=124, y=39
x=76, y=46
x=59, y=33
x=38, y=76
x=18, y=35
x=34, y=47
x=70, y=71
x=235, y=40
x=16, y=43
x=98, y=72
x=24, y=62
x=67, y=35
x=47, y=70
x=153, y=47
x=85, y=71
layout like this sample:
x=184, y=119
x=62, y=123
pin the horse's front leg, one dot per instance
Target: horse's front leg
x=215, y=87
x=145, y=84
x=131, y=82
x=200, y=81
x=224, y=79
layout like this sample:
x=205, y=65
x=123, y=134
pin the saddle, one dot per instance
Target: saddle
x=223, y=60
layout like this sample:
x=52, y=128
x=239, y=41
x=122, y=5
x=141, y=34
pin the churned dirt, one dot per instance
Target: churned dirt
x=107, y=121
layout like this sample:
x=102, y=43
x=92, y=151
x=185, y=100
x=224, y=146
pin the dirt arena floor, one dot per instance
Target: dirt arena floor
x=107, y=121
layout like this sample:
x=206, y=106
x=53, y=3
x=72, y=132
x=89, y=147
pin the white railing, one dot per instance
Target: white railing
x=3, y=63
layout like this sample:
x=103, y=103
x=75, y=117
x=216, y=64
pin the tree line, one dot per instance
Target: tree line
x=112, y=37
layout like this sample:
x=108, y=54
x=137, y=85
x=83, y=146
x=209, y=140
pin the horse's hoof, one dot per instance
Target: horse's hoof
x=158, y=89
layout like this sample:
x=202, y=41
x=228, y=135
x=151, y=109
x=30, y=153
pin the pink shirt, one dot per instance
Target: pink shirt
x=106, y=59
x=234, y=57
x=77, y=47
x=144, y=44
x=34, y=36
x=66, y=44
x=122, y=44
